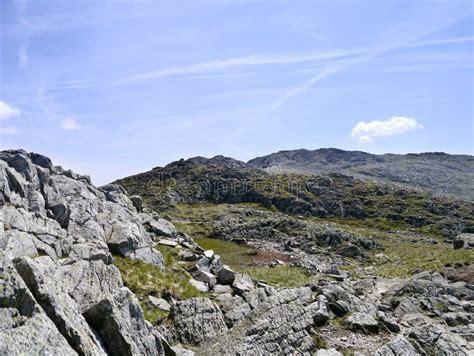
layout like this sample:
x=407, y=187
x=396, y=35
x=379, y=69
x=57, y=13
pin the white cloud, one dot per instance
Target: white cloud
x=364, y=131
x=70, y=124
x=8, y=111
x=365, y=139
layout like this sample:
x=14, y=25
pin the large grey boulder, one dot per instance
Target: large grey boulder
x=88, y=282
x=159, y=226
x=464, y=240
x=196, y=320
x=396, y=347
x=278, y=326
x=321, y=314
x=435, y=339
x=234, y=308
x=119, y=321
x=362, y=323
x=58, y=305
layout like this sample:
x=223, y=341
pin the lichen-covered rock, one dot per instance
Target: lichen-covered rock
x=362, y=322
x=196, y=320
x=278, y=326
x=396, y=347
x=235, y=308
x=435, y=339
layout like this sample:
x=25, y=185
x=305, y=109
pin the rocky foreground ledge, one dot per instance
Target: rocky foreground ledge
x=61, y=294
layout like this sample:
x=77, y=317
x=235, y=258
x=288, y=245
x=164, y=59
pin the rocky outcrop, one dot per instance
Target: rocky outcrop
x=196, y=320
x=60, y=292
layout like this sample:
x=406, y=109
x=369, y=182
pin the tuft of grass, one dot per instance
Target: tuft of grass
x=153, y=315
x=319, y=342
x=170, y=255
x=440, y=306
x=145, y=279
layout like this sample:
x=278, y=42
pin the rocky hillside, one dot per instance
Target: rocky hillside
x=221, y=180
x=94, y=271
x=434, y=172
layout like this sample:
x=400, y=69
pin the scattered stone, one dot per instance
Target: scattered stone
x=321, y=315
x=389, y=322
x=242, y=284
x=205, y=277
x=362, y=322
x=464, y=240
x=166, y=242
x=226, y=276
x=328, y=352
x=187, y=255
x=159, y=303
x=200, y=286
x=209, y=254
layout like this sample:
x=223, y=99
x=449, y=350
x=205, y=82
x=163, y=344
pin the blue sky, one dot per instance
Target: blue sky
x=111, y=88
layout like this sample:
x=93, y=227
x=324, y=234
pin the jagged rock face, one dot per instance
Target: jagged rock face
x=59, y=286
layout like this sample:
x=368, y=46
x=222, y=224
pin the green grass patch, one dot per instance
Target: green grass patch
x=279, y=275
x=404, y=257
x=239, y=258
x=153, y=315
x=145, y=279
x=232, y=254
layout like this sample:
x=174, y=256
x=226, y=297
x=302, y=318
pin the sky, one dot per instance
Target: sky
x=113, y=88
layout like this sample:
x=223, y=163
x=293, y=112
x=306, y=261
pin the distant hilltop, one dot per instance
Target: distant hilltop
x=436, y=172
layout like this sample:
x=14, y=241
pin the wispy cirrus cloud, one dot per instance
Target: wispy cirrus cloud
x=335, y=56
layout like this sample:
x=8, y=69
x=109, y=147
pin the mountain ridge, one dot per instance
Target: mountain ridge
x=436, y=172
